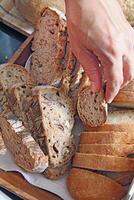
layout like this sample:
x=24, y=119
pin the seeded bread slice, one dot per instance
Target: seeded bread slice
x=91, y=106
x=19, y=141
x=122, y=150
x=11, y=74
x=49, y=48
x=103, y=162
x=87, y=185
x=107, y=137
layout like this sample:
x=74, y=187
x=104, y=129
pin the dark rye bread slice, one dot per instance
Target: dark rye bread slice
x=25, y=150
x=107, y=137
x=103, y=162
x=122, y=150
x=11, y=74
x=49, y=48
x=87, y=185
x=91, y=106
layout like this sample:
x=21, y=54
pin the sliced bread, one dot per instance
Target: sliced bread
x=25, y=150
x=11, y=74
x=50, y=114
x=87, y=185
x=103, y=162
x=107, y=137
x=49, y=46
x=122, y=150
x=2, y=145
x=91, y=106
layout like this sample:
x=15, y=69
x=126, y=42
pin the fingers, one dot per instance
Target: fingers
x=128, y=70
x=114, y=76
x=92, y=69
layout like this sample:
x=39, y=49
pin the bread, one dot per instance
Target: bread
x=51, y=117
x=86, y=185
x=31, y=9
x=122, y=150
x=16, y=96
x=19, y=141
x=91, y=106
x=103, y=162
x=124, y=99
x=49, y=48
x=123, y=178
x=2, y=145
x=11, y=74
x=107, y=137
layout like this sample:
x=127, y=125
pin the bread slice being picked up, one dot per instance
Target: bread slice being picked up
x=91, y=106
x=25, y=150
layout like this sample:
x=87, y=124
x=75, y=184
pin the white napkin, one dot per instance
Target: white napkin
x=58, y=187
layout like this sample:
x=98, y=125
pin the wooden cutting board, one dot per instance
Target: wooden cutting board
x=15, y=183
x=10, y=16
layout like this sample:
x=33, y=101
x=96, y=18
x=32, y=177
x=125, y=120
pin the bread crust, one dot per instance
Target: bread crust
x=104, y=163
x=86, y=185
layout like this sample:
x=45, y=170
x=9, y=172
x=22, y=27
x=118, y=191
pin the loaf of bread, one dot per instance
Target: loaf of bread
x=49, y=48
x=91, y=106
x=107, y=137
x=122, y=150
x=86, y=185
x=11, y=74
x=103, y=162
x=19, y=141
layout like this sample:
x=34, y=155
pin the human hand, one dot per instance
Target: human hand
x=101, y=36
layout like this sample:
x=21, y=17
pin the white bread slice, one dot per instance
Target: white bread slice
x=91, y=106
x=107, y=137
x=25, y=150
x=87, y=185
x=49, y=48
x=103, y=162
x=122, y=150
x=11, y=74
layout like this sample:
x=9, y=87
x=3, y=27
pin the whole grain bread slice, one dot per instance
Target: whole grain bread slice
x=11, y=74
x=91, y=106
x=86, y=185
x=122, y=150
x=103, y=162
x=107, y=137
x=49, y=47
x=25, y=150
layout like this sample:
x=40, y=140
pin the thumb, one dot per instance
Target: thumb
x=90, y=64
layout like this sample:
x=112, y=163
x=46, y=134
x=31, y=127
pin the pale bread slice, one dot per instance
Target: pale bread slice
x=103, y=162
x=25, y=150
x=86, y=185
x=107, y=137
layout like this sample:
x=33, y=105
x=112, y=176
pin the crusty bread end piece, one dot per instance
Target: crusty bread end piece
x=25, y=150
x=86, y=185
